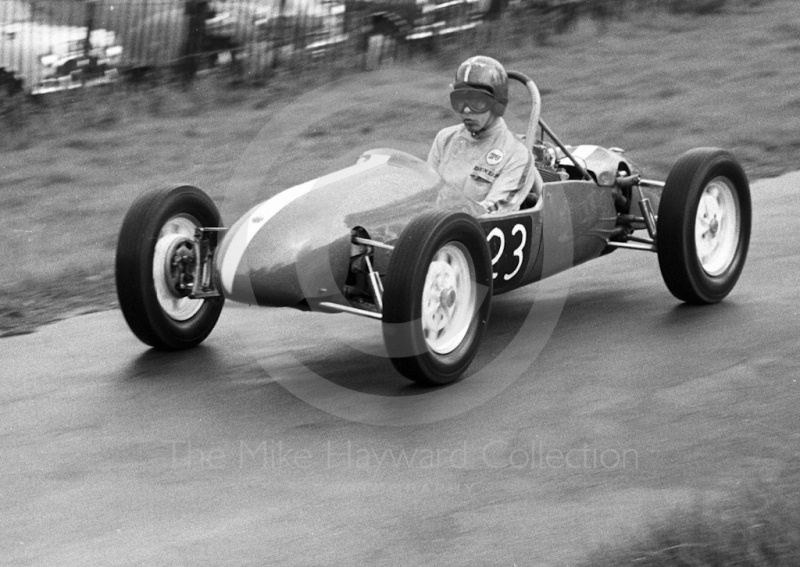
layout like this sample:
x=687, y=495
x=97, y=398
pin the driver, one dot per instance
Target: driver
x=481, y=157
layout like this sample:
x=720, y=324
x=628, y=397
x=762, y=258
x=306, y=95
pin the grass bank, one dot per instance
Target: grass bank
x=759, y=527
x=656, y=83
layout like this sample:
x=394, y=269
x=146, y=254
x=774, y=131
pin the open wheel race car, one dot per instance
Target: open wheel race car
x=378, y=239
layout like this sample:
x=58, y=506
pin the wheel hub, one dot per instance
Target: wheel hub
x=448, y=299
x=713, y=227
x=181, y=260
x=717, y=226
x=174, y=262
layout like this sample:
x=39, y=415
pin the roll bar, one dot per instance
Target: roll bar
x=535, y=121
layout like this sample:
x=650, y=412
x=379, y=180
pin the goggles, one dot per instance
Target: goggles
x=476, y=100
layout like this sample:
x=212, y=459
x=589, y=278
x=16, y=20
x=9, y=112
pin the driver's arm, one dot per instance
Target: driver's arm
x=438, y=147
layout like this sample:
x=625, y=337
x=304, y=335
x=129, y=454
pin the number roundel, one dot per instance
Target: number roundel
x=504, y=263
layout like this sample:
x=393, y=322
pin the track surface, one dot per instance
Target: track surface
x=116, y=455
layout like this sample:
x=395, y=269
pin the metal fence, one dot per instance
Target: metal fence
x=53, y=43
x=50, y=45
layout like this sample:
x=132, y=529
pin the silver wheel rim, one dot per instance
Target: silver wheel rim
x=448, y=298
x=175, y=231
x=717, y=226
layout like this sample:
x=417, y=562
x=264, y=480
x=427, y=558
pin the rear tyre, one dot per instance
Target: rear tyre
x=156, y=253
x=437, y=298
x=704, y=224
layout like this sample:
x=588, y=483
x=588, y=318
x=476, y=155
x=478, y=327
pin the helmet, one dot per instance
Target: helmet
x=486, y=74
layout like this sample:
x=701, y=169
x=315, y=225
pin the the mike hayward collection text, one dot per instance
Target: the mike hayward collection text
x=533, y=454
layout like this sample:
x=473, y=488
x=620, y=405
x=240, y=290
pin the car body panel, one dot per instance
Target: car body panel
x=294, y=249
x=570, y=224
x=295, y=246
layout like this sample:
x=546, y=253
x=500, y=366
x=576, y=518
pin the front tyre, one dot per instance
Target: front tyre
x=704, y=223
x=437, y=298
x=156, y=256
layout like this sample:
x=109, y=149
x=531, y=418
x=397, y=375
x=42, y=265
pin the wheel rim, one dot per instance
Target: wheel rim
x=175, y=236
x=448, y=298
x=717, y=226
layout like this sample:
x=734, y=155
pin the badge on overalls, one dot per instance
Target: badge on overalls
x=494, y=157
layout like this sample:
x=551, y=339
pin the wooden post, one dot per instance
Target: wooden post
x=496, y=9
x=279, y=32
x=91, y=5
x=197, y=12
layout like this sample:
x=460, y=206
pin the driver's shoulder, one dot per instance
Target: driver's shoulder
x=513, y=146
x=512, y=139
x=448, y=132
x=445, y=136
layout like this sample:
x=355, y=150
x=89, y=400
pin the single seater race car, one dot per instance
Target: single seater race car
x=387, y=239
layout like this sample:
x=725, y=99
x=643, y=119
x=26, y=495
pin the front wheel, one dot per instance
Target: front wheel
x=437, y=297
x=704, y=223
x=156, y=257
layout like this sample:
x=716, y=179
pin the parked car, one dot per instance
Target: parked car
x=45, y=58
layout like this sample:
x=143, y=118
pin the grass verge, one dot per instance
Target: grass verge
x=759, y=527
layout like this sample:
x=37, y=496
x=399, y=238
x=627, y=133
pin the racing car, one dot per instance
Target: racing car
x=387, y=239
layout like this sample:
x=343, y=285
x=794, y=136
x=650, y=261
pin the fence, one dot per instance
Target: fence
x=58, y=44
x=40, y=38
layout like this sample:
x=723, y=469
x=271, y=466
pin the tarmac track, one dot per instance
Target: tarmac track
x=113, y=454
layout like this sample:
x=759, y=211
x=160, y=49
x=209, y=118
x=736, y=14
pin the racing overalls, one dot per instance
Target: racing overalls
x=493, y=168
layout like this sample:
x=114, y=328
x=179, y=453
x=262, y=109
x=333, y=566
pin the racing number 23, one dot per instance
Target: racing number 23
x=517, y=258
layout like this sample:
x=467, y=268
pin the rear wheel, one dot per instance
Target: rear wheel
x=704, y=223
x=437, y=297
x=156, y=257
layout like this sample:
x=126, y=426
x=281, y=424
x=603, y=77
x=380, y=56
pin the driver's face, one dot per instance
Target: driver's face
x=475, y=122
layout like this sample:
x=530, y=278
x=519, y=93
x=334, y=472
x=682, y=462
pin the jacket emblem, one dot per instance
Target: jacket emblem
x=494, y=157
